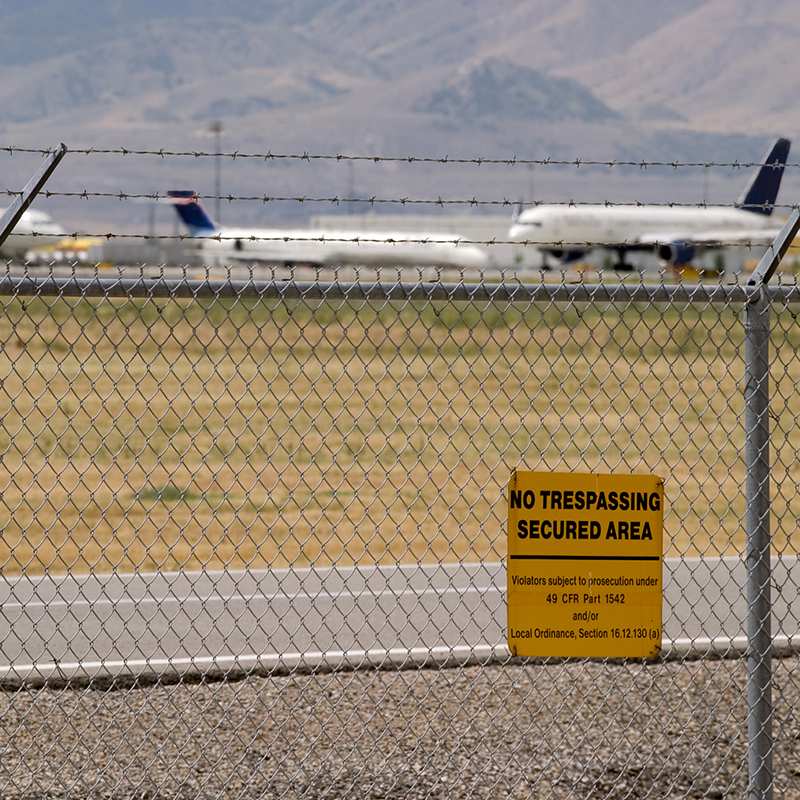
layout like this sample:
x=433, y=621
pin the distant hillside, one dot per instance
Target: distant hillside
x=723, y=65
x=503, y=90
x=36, y=30
x=690, y=80
x=729, y=65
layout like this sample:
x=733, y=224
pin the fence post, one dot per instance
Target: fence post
x=757, y=464
x=12, y=215
x=759, y=614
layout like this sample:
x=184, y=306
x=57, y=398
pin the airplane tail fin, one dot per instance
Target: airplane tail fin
x=192, y=213
x=762, y=191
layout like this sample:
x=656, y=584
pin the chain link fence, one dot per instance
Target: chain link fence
x=254, y=536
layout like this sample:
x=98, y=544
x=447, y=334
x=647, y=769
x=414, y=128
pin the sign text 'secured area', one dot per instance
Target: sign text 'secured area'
x=585, y=556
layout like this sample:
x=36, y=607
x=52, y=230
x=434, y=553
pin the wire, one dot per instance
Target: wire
x=508, y=161
x=394, y=240
x=402, y=201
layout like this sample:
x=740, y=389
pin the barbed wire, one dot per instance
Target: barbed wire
x=321, y=238
x=446, y=159
x=402, y=201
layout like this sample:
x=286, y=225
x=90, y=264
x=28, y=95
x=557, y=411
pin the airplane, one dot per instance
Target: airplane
x=35, y=229
x=300, y=246
x=676, y=234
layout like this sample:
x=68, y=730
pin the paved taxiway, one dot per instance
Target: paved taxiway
x=191, y=623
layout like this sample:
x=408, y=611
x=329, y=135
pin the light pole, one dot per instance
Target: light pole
x=351, y=187
x=216, y=129
x=531, y=183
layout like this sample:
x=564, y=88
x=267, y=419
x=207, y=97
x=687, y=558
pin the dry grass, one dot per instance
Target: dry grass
x=178, y=435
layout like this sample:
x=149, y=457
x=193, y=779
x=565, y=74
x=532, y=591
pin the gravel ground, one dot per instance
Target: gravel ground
x=568, y=730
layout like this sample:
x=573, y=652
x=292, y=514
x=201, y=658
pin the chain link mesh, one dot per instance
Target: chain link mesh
x=254, y=536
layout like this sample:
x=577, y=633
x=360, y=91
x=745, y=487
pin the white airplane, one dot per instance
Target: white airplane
x=321, y=248
x=34, y=229
x=676, y=234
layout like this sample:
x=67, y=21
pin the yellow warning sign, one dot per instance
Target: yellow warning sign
x=585, y=565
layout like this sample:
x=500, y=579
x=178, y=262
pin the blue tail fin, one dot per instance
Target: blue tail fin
x=762, y=191
x=192, y=213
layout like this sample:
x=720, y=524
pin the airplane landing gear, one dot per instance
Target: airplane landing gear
x=622, y=265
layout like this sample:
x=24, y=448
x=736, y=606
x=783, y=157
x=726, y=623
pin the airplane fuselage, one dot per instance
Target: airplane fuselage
x=635, y=226
x=374, y=248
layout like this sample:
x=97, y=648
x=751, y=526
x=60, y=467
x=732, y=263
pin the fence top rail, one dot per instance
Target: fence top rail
x=508, y=291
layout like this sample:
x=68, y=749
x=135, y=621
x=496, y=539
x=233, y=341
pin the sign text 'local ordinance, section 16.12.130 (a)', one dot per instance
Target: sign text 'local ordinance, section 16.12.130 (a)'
x=585, y=565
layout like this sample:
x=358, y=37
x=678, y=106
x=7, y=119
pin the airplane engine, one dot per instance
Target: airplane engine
x=565, y=256
x=677, y=255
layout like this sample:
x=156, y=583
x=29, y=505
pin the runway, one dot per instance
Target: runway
x=160, y=624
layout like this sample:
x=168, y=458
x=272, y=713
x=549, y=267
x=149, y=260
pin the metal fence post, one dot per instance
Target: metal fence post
x=759, y=601
x=12, y=215
x=759, y=633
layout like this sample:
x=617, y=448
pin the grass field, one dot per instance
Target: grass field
x=171, y=435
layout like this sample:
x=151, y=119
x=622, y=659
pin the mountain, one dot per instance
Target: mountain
x=715, y=65
x=726, y=65
x=602, y=80
x=500, y=89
